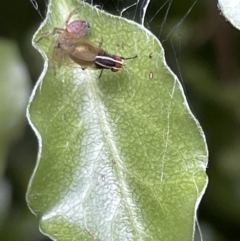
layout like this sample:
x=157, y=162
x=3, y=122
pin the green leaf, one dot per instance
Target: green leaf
x=120, y=157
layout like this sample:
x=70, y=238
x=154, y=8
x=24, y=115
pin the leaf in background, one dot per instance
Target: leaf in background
x=230, y=10
x=14, y=94
x=120, y=157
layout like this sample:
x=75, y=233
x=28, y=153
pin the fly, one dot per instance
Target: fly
x=86, y=54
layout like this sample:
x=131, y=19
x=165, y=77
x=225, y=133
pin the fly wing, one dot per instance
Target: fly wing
x=82, y=49
x=61, y=57
x=72, y=50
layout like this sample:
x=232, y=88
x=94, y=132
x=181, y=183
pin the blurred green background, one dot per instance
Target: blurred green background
x=201, y=48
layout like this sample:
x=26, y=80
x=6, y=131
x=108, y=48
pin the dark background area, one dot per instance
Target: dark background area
x=203, y=51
